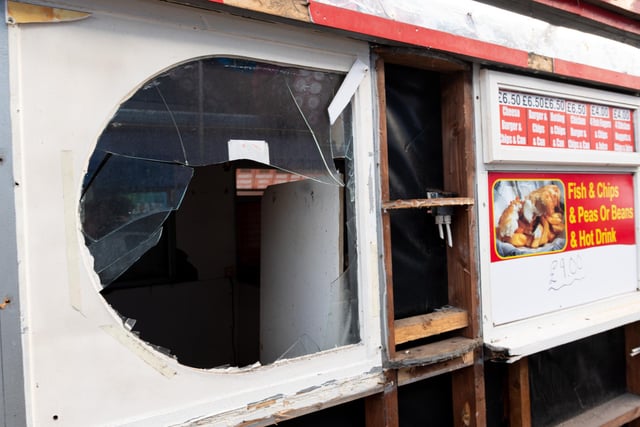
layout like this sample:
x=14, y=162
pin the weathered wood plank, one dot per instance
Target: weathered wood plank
x=427, y=203
x=381, y=410
x=419, y=58
x=632, y=343
x=426, y=325
x=519, y=394
x=613, y=413
x=469, y=406
x=468, y=393
x=386, y=219
x=436, y=352
x=419, y=373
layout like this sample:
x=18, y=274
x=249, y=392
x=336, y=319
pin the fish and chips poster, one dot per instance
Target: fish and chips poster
x=559, y=240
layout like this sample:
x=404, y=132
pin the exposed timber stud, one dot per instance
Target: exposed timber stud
x=381, y=410
x=519, y=394
x=386, y=219
x=632, y=343
x=459, y=177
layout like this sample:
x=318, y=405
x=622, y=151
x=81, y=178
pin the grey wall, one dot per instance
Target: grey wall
x=12, y=405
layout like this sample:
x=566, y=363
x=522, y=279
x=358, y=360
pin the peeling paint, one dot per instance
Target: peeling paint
x=308, y=389
x=540, y=62
x=270, y=401
x=23, y=13
x=277, y=408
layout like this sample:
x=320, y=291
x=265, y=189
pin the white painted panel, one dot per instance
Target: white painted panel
x=517, y=293
x=301, y=297
x=75, y=366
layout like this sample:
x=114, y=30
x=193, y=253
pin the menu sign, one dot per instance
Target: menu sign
x=535, y=214
x=555, y=236
x=531, y=120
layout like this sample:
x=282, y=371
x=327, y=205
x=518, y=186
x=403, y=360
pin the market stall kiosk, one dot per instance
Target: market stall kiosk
x=557, y=198
x=229, y=212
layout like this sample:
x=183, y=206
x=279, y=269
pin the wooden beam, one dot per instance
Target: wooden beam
x=459, y=176
x=381, y=410
x=469, y=406
x=632, y=342
x=386, y=219
x=519, y=394
x=427, y=203
x=423, y=59
x=631, y=346
x=468, y=395
x=426, y=325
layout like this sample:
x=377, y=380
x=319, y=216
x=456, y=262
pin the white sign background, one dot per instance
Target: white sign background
x=530, y=286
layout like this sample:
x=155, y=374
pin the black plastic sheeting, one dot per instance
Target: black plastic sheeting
x=414, y=139
x=204, y=112
x=568, y=380
x=564, y=381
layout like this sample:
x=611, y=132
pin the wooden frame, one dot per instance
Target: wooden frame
x=460, y=353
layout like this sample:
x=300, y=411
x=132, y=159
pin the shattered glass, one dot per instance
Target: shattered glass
x=203, y=112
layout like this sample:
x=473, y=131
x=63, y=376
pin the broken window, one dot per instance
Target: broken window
x=214, y=269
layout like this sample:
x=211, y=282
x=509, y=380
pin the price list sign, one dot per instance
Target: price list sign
x=623, y=137
x=531, y=120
